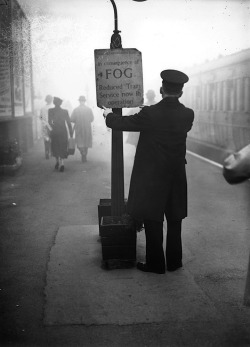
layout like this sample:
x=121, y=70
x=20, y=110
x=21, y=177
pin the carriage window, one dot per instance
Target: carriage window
x=211, y=97
x=246, y=94
x=219, y=96
x=228, y=95
x=240, y=94
x=197, y=97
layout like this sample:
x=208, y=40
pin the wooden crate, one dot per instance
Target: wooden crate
x=104, y=209
x=118, y=238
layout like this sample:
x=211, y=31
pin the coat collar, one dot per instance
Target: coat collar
x=172, y=101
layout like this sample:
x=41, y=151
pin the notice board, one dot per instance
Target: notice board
x=119, y=79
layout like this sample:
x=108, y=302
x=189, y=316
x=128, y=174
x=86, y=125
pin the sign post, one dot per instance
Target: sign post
x=118, y=84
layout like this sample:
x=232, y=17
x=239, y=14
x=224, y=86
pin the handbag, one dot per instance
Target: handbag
x=71, y=146
x=236, y=167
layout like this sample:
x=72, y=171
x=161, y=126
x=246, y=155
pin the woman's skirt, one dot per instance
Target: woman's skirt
x=59, y=145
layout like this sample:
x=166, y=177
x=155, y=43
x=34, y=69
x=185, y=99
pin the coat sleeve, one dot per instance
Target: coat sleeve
x=73, y=116
x=68, y=123
x=192, y=119
x=137, y=122
x=50, y=115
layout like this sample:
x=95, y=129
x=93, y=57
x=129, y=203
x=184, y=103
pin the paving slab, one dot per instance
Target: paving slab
x=80, y=292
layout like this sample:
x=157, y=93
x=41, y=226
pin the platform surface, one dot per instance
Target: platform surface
x=79, y=291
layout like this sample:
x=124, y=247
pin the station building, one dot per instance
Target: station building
x=16, y=86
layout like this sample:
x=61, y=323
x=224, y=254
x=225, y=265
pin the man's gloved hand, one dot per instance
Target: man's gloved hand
x=106, y=111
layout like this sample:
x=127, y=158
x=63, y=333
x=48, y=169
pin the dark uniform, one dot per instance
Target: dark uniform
x=158, y=183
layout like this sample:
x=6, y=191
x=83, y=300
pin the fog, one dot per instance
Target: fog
x=170, y=34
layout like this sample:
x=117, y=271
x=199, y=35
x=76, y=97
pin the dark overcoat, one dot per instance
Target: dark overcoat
x=58, y=118
x=158, y=182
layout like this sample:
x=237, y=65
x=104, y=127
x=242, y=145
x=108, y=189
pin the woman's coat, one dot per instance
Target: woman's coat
x=58, y=118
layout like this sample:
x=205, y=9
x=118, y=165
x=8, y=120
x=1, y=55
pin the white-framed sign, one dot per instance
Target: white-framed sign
x=119, y=79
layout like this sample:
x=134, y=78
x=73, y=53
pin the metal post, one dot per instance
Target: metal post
x=115, y=15
x=117, y=251
x=117, y=172
x=117, y=163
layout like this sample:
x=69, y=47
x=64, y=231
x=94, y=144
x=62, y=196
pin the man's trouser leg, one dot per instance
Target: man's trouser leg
x=174, y=244
x=155, y=258
x=84, y=152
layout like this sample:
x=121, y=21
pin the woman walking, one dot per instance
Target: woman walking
x=58, y=118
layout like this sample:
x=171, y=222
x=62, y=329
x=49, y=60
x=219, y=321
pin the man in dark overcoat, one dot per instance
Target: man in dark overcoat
x=158, y=184
x=82, y=117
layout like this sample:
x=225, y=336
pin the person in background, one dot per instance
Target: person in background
x=133, y=137
x=45, y=125
x=158, y=183
x=82, y=116
x=58, y=118
x=150, y=95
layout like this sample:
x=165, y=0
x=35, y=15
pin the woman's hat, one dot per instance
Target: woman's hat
x=57, y=100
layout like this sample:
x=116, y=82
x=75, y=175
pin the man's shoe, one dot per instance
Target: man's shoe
x=62, y=168
x=145, y=268
x=57, y=166
x=174, y=267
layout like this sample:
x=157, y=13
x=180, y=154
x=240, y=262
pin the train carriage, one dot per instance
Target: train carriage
x=219, y=93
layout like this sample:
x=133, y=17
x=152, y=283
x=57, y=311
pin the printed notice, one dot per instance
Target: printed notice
x=119, y=80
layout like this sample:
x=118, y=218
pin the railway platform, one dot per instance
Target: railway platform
x=54, y=291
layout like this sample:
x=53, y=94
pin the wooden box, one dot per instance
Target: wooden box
x=118, y=238
x=104, y=209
